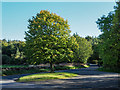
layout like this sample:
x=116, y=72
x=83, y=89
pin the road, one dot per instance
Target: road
x=88, y=78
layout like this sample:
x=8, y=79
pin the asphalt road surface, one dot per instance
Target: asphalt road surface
x=88, y=78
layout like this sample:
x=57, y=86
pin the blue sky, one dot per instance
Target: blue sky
x=81, y=16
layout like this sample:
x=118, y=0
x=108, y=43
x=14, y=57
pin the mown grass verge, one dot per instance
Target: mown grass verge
x=46, y=76
x=108, y=70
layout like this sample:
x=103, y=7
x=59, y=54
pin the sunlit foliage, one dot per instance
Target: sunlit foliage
x=46, y=40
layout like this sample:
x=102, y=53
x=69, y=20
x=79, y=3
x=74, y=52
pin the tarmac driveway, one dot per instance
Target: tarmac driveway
x=88, y=78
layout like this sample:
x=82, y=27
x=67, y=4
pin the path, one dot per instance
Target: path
x=88, y=78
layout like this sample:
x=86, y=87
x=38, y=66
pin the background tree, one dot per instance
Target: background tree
x=12, y=51
x=95, y=56
x=46, y=40
x=84, y=50
x=74, y=46
x=110, y=45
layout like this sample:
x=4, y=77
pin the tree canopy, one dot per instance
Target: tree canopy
x=84, y=50
x=95, y=47
x=110, y=45
x=46, y=40
x=12, y=51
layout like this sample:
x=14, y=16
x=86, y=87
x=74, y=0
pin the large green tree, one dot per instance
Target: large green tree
x=46, y=40
x=110, y=45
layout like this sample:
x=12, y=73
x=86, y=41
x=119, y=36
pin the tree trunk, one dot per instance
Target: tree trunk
x=51, y=67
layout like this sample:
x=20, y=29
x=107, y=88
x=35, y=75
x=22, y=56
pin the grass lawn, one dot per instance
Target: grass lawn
x=46, y=76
